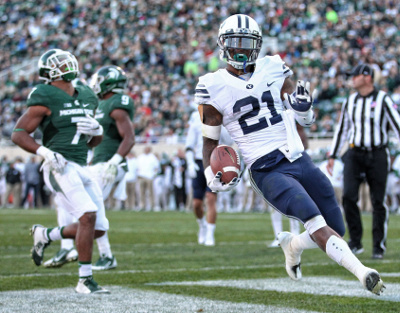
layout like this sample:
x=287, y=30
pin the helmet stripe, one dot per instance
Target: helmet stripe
x=239, y=21
x=247, y=22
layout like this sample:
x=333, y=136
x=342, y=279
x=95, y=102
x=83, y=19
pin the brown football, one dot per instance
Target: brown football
x=226, y=160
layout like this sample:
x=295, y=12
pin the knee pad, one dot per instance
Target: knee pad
x=312, y=225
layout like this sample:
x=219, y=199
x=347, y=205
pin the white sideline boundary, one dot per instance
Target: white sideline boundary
x=122, y=300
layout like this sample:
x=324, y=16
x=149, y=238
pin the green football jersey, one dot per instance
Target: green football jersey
x=59, y=129
x=111, y=138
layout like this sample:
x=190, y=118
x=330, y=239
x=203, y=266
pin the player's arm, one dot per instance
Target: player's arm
x=125, y=130
x=303, y=135
x=94, y=141
x=127, y=133
x=287, y=87
x=26, y=125
x=211, y=129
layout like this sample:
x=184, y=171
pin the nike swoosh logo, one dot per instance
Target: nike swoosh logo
x=86, y=104
x=268, y=85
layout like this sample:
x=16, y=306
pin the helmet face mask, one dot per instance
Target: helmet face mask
x=108, y=79
x=57, y=64
x=240, y=41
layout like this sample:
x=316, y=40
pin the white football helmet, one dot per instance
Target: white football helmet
x=240, y=40
x=57, y=64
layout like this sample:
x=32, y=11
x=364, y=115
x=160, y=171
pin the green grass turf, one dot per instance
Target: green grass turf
x=158, y=247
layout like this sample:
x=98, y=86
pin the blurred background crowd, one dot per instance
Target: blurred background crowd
x=165, y=45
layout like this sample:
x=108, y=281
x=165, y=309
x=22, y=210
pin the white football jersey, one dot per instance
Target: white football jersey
x=251, y=108
x=194, y=138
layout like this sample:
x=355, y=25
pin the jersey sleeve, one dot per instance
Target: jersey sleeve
x=123, y=102
x=208, y=90
x=38, y=96
x=286, y=71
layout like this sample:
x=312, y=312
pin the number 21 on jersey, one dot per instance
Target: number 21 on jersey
x=262, y=123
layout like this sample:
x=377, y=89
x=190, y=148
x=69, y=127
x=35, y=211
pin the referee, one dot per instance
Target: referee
x=365, y=119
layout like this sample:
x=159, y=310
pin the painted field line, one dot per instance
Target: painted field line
x=173, y=270
x=320, y=285
x=122, y=300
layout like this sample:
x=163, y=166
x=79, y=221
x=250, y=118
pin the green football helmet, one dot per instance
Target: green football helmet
x=107, y=79
x=57, y=64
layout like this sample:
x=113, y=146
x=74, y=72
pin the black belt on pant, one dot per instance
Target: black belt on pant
x=367, y=149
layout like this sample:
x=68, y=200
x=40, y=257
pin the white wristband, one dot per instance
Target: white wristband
x=212, y=132
x=208, y=173
x=42, y=151
x=116, y=159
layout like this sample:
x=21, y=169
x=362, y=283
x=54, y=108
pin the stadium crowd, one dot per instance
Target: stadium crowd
x=165, y=45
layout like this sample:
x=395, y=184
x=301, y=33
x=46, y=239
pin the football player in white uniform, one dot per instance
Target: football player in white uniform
x=253, y=99
x=195, y=170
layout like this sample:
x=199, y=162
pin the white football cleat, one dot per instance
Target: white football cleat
x=40, y=242
x=62, y=257
x=210, y=241
x=372, y=282
x=274, y=244
x=292, y=260
x=88, y=285
x=201, y=235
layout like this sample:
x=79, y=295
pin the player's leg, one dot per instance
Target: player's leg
x=327, y=229
x=276, y=219
x=72, y=188
x=286, y=193
x=67, y=252
x=211, y=201
x=377, y=173
x=106, y=259
x=352, y=180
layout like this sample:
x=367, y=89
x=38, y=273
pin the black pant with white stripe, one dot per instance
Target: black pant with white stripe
x=371, y=165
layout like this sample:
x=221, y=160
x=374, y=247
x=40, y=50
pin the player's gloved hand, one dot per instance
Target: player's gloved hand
x=57, y=161
x=111, y=169
x=89, y=126
x=214, y=181
x=192, y=169
x=303, y=101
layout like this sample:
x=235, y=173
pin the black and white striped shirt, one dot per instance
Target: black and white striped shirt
x=364, y=122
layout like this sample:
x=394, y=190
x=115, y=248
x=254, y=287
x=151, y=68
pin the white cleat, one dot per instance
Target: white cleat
x=201, y=235
x=372, y=282
x=292, y=260
x=62, y=257
x=274, y=244
x=210, y=241
x=89, y=286
x=40, y=242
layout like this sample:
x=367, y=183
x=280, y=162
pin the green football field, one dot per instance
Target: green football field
x=162, y=269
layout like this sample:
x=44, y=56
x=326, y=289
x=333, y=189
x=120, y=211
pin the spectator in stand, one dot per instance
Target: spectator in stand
x=32, y=181
x=131, y=182
x=178, y=178
x=13, y=186
x=322, y=39
x=3, y=185
x=148, y=167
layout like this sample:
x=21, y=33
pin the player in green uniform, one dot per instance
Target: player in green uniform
x=65, y=116
x=114, y=113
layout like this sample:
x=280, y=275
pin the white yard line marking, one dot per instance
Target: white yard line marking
x=122, y=300
x=320, y=285
x=171, y=270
